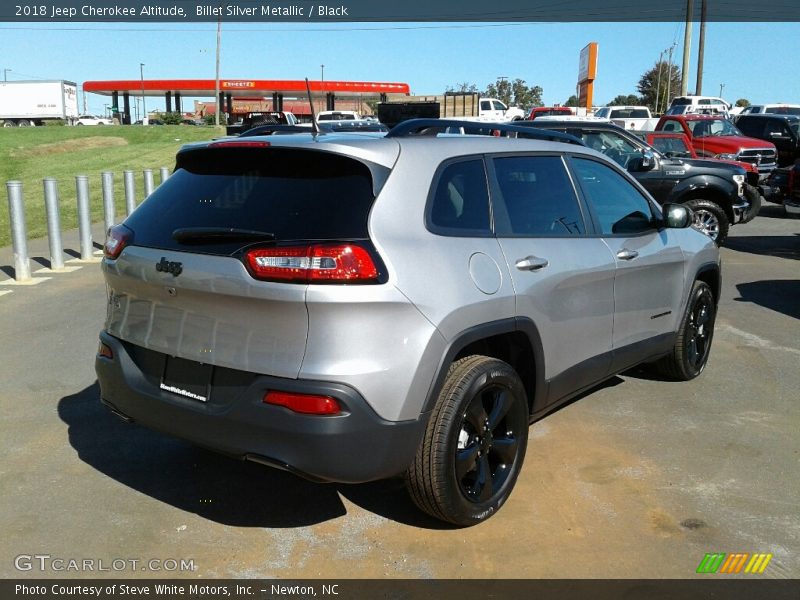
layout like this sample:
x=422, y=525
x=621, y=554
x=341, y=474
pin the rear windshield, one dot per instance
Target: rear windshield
x=679, y=101
x=629, y=113
x=289, y=193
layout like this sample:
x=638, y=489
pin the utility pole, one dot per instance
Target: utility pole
x=144, y=104
x=5, y=74
x=687, y=43
x=669, y=77
x=322, y=102
x=721, y=87
x=699, y=87
x=658, y=79
x=217, y=103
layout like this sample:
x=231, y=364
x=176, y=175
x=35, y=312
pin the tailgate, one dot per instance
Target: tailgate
x=212, y=312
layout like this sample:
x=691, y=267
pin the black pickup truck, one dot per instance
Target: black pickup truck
x=716, y=192
x=255, y=119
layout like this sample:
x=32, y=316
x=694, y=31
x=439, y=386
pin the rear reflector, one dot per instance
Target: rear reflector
x=105, y=351
x=117, y=238
x=315, y=263
x=308, y=404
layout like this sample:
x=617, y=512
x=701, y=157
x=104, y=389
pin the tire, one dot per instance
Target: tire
x=9, y=123
x=689, y=356
x=474, y=445
x=710, y=218
x=24, y=123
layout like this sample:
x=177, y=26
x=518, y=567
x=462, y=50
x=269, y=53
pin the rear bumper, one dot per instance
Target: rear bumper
x=352, y=447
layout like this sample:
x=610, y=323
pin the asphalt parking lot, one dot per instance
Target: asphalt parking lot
x=637, y=479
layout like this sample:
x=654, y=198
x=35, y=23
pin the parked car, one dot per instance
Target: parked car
x=717, y=137
x=781, y=130
x=351, y=308
x=338, y=115
x=717, y=193
x=254, y=119
x=777, y=109
x=682, y=105
x=784, y=183
x=628, y=117
x=674, y=144
x=92, y=120
x=548, y=111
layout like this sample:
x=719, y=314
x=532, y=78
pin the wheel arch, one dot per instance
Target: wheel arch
x=513, y=340
x=710, y=274
x=705, y=188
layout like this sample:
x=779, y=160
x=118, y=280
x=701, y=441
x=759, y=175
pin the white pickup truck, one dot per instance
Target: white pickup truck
x=628, y=117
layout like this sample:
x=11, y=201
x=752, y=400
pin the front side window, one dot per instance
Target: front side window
x=610, y=143
x=538, y=197
x=460, y=204
x=618, y=206
x=498, y=105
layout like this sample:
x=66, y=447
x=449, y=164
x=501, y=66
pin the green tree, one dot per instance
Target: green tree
x=515, y=92
x=743, y=102
x=465, y=87
x=629, y=100
x=572, y=101
x=659, y=85
x=171, y=118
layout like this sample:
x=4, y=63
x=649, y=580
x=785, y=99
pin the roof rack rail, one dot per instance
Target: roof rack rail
x=432, y=126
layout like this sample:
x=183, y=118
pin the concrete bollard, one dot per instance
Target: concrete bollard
x=130, y=192
x=107, y=179
x=164, y=173
x=84, y=218
x=148, y=182
x=53, y=223
x=19, y=238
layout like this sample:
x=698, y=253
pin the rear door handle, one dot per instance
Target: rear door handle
x=626, y=254
x=531, y=263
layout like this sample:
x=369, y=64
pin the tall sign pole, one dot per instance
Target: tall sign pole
x=587, y=72
x=701, y=49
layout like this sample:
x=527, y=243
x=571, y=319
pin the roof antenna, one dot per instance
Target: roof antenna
x=314, y=124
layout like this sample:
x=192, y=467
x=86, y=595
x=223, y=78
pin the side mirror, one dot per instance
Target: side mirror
x=677, y=216
x=646, y=162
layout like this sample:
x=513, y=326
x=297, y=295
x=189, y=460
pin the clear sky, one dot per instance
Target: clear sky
x=753, y=60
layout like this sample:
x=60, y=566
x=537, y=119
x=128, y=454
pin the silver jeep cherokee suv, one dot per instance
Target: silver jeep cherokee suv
x=351, y=308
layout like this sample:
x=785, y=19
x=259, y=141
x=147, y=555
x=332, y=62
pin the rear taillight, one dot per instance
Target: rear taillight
x=117, y=238
x=314, y=263
x=307, y=404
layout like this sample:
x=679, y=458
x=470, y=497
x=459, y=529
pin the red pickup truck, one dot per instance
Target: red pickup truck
x=716, y=137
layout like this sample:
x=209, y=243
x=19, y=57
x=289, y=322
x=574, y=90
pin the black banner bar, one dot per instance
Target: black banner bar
x=250, y=11
x=403, y=589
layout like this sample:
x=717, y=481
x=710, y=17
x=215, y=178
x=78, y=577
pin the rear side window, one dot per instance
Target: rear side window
x=460, y=203
x=618, y=206
x=292, y=194
x=538, y=197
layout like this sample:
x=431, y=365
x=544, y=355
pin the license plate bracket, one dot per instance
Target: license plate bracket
x=187, y=378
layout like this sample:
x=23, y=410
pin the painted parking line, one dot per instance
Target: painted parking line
x=31, y=281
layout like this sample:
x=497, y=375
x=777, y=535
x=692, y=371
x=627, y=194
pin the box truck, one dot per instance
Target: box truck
x=29, y=103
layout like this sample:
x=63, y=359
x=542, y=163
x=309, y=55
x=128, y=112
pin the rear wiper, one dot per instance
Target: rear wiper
x=189, y=235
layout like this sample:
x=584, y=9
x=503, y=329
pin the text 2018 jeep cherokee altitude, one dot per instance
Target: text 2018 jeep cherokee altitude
x=351, y=308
